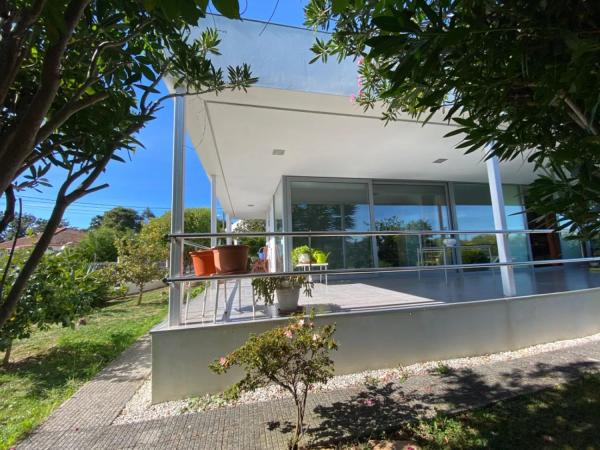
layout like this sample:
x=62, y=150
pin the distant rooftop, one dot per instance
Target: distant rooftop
x=63, y=236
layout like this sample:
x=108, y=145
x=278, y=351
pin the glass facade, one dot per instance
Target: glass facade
x=361, y=205
x=473, y=207
x=400, y=207
x=333, y=206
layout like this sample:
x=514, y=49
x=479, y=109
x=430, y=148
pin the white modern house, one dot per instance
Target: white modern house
x=430, y=253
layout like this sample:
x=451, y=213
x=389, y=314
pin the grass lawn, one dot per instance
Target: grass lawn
x=49, y=367
x=566, y=417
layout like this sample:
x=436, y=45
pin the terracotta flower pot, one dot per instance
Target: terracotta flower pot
x=204, y=262
x=230, y=259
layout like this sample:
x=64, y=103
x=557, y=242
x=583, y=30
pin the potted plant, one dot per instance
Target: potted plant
x=231, y=259
x=286, y=289
x=320, y=256
x=302, y=255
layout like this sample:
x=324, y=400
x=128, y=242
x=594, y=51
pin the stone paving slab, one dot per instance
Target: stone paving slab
x=84, y=421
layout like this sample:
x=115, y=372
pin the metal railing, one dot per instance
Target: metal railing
x=420, y=233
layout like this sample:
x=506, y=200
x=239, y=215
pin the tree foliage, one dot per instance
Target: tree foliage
x=119, y=218
x=139, y=261
x=294, y=357
x=78, y=80
x=99, y=245
x=521, y=77
x=251, y=226
x=60, y=290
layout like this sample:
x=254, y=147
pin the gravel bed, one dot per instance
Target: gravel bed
x=139, y=407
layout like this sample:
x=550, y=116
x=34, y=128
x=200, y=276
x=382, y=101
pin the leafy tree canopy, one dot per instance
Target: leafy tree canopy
x=78, y=80
x=521, y=76
x=120, y=219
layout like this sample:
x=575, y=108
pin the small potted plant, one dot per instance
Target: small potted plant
x=286, y=289
x=320, y=256
x=302, y=255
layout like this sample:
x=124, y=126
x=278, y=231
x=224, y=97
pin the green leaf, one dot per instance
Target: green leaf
x=229, y=8
x=338, y=6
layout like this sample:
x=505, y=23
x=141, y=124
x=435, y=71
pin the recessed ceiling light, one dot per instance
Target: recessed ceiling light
x=278, y=152
x=440, y=160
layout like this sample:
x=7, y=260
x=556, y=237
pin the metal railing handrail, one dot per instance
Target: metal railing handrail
x=350, y=233
x=366, y=270
x=193, y=244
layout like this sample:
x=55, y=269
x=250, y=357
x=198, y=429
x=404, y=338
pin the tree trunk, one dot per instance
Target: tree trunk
x=139, y=301
x=6, y=358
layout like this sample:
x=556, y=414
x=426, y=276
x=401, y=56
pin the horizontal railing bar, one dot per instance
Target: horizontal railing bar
x=187, y=278
x=351, y=233
x=193, y=244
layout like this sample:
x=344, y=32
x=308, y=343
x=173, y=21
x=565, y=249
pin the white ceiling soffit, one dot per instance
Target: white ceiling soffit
x=323, y=135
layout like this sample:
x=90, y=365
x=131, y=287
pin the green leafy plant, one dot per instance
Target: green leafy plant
x=264, y=287
x=60, y=290
x=139, y=261
x=303, y=249
x=518, y=79
x=293, y=357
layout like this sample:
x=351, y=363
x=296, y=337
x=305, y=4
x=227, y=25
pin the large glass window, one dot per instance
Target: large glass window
x=474, y=212
x=333, y=206
x=409, y=207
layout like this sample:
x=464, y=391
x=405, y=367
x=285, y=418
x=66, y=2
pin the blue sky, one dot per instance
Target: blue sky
x=145, y=181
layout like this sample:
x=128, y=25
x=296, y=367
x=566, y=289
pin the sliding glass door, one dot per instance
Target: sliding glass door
x=474, y=212
x=333, y=206
x=401, y=206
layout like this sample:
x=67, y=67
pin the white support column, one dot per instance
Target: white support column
x=213, y=209
x=177, y=205
x=228, y=228
x=498, y=209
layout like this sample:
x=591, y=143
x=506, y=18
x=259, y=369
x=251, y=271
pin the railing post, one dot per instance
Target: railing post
x=177, y=206
x=228, y=227
x=495, y=181
x=213, y=209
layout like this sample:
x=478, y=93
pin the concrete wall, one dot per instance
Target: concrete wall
x=383, y=338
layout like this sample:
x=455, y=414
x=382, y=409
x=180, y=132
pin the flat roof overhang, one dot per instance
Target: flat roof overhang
x=322, y=135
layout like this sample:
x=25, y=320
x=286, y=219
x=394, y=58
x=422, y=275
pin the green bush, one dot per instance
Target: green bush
x=61, y=290
x=294, y=357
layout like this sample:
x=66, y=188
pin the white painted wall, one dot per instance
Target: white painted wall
x=379, y=339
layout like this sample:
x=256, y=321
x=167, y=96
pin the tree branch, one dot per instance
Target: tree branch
x=9, y=212
x=15, y=149
x=64, y=113
x=583, y=120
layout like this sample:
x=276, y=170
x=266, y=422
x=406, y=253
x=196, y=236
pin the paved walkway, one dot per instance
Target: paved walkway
x=84, y=421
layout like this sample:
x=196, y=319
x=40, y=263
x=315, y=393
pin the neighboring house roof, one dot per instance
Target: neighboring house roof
x=63, y=236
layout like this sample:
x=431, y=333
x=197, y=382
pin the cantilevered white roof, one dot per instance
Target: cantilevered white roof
x=305, y=110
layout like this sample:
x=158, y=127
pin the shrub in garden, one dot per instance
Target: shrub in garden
x=294, y=357
x=60, y=290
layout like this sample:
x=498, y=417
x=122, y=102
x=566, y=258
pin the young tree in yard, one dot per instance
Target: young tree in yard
x=77, y=82
x=293, y=357
x=522, y=77
x=139, y=261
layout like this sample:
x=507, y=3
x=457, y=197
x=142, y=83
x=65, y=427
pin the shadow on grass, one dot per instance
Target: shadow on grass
x=76, y=360
x=377, y=410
